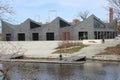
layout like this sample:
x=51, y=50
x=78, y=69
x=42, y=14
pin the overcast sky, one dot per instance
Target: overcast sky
x=39, y=10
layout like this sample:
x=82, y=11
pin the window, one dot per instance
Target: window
x=50, y=36
x=8, y=37
x=95, y=35
x=98, y=24
x=34, y=25
x=21, y=37
x=63, y=24
x=35, y=36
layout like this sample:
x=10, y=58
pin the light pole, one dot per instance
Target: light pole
x=37, y=18
x=51, y=11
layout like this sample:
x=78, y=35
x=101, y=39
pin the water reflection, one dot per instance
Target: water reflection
x=42, y=71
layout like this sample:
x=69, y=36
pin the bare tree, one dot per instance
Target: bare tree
x=5, y=8
x=115, y=4
x=83, y=15
x=8, y=50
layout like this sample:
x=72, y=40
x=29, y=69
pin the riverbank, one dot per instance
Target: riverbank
x=42, y=61
x=105, y=58
x=41, y=50
x=109, y=54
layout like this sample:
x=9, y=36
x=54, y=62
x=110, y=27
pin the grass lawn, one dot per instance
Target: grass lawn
x=115, y=50
x=69, y=47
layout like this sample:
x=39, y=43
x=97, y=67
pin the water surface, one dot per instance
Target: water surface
x=42, y=71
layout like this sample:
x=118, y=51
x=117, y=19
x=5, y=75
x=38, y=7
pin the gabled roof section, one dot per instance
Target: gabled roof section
x=33, y=24
x=64, y=24
x=98, y=23
x=112, y=24
x=91, y=18
x=82, y=23
x=8, y=24
x=61, y=22
x=96, y=18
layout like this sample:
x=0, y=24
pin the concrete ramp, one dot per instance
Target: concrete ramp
x=12, y=56
x=34, y=49
x=42, y=49
x=75, y=58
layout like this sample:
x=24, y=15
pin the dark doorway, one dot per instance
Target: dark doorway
x=8, y=37
x=95, y=35
x=35, y=36
x=21, y=37
x=83, y=35
x=50, y=36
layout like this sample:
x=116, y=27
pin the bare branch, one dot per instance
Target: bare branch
x=5, y=8
x=115, y=4
x=10, y=50
x=83, y=15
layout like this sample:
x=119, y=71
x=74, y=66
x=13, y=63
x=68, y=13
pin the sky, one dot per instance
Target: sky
x=46, y=10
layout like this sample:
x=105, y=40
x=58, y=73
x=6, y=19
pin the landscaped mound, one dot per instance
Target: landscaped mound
x=111, y=50
x=69, y=47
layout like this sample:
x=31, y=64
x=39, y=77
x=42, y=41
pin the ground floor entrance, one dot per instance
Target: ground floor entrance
x=66, y=36
x=83, y=35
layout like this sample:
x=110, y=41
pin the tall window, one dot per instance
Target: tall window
x=95, y=35
x=35, y=36
x=21, y=36
x=8, y=37
x=50, y=36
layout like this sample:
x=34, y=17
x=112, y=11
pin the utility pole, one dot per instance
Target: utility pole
x=37, y=18
x=49, y=12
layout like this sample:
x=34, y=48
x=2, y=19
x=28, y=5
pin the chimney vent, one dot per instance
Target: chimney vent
x=110, y=14
x=75, y=21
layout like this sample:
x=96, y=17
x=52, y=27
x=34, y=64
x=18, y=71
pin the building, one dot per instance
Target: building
x=59, y=29
x=94, y=28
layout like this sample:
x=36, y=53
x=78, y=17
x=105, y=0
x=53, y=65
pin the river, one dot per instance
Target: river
x=91, y=70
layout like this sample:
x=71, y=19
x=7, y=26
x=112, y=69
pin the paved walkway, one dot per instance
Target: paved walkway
x=95, y=49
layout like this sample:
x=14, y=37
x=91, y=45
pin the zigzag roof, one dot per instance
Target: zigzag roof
x=14, y=26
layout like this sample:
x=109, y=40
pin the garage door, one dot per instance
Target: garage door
x=35, y=36
x=21, y=37
x=50, y=36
